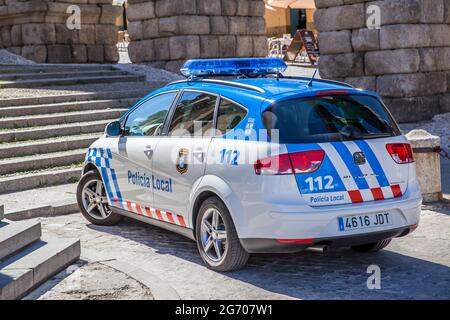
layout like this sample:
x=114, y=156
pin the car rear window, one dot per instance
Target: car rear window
x=329, y=118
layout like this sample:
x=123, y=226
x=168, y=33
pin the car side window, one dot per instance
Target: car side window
x=194, y=115
x=229, y=116
x=148, y=119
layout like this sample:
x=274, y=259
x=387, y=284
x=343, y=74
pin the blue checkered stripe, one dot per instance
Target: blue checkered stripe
x=102, y=159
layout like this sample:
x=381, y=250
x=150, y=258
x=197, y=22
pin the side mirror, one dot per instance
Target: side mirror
x=113, y=129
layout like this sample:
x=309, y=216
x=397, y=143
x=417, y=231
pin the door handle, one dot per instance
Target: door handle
x=148, y=151
x=199, y=155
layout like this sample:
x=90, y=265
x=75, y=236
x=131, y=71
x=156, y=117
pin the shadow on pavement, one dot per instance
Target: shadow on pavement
x=337, y=274
x=445, y=173
x=439, y=207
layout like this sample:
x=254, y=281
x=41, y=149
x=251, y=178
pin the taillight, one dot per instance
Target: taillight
x=307, y=161
x=290, y=163
x=280, y=164
x=401, y=152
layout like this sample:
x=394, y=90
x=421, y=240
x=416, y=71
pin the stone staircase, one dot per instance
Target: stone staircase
x=27, y=260
x=40, y=76
x=43, y=138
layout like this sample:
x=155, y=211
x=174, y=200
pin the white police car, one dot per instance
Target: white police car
x=258, y=163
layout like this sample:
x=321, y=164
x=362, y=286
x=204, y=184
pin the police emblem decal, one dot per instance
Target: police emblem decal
x=182, y=165
x=359, y=158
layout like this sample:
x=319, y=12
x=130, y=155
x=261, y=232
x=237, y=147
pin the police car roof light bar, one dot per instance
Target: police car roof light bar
x=233, y=67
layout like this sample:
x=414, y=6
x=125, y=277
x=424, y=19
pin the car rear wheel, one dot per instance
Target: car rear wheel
x=217, y=239
x=372, y=247
x=93, y=202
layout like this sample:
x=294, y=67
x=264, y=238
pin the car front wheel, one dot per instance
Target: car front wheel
x=93, y=202
x=217, y=239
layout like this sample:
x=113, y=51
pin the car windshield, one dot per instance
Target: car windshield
x=329, y=118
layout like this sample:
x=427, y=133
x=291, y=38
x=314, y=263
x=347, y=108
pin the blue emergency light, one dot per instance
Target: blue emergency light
x=233, y=67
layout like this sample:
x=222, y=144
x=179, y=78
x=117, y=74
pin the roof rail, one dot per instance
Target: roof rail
x=320, y=80
x=223, y=82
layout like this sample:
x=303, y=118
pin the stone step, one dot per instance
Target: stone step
x=59, y=118
x=38, y=179
x=76, y=97
x=37, y=263
x=59, y=75
x=15, y=236
x=41, y=161
x=48, y=68
x=28, y=148
x=45, y=132
x=69, y=81
x=66, y=107
x=41, y=202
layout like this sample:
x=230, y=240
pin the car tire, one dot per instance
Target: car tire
x=372, y=247
x=95, y=216
x=234, y=256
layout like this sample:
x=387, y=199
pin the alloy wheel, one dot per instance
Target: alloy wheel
x=95, y=201
x=213, y=235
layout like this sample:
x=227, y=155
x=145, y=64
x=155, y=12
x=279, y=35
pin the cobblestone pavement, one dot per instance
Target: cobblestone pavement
x=91, y=281
x=413, y=267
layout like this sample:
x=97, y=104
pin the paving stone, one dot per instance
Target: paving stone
x=91, y=281
x=413, y=267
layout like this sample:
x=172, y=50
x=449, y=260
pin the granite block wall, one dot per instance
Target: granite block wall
x=406, y=60
x=167, y=33
x=37, y=30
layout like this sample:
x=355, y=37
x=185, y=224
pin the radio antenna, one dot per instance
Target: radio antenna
x=310, y=83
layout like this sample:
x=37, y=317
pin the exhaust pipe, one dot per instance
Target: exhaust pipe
x=318, y=249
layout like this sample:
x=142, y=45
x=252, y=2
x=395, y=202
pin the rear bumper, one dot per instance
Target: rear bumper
x=261, y=245
x=296, y=221
x=271, y=231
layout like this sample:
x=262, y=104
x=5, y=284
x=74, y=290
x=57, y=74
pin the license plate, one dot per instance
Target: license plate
x=365, y=221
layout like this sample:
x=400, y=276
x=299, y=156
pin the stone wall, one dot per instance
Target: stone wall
x=166, y=33
x=407, y=60
x=36, y=29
